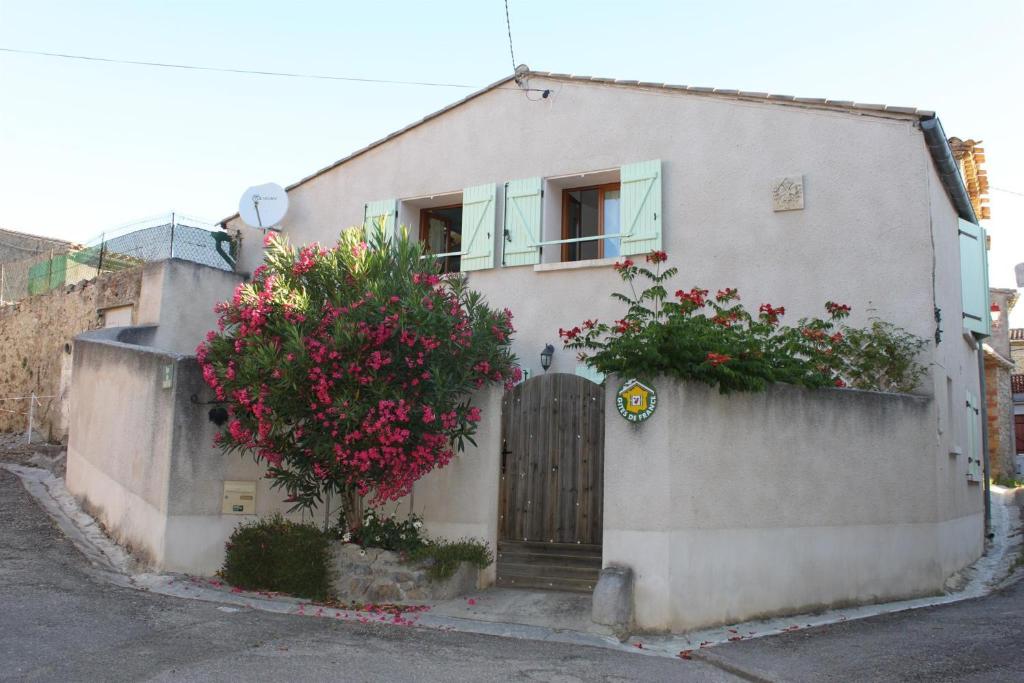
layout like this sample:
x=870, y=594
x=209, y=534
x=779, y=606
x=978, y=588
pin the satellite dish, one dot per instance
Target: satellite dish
x=263, y=206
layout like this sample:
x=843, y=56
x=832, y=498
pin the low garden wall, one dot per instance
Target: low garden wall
x=141, y=456
x=374, y=575
x=734, y=507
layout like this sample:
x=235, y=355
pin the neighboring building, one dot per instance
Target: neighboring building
x=54, y=290
x=971, y=159
x=999, y=367
x=1017, y=387
x=19, y=251
x=725, y=508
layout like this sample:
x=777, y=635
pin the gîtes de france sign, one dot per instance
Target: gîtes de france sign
x=636, y=401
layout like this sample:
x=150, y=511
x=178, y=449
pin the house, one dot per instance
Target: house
x=999, y=368
x=723, y=507
x=1017, y=391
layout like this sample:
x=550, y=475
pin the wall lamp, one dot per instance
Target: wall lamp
x=545, y=357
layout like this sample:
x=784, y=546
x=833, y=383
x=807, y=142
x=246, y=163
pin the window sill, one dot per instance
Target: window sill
x=575, y=265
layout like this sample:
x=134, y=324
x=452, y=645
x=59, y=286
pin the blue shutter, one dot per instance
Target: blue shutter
x=640, y=208
x=381, y=214
x=522, y=222
x=974, y=279
x=478, y=222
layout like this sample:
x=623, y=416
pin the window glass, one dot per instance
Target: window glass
x=584, y=221
x=591, y=212
x=441, y=231
x=611, y=223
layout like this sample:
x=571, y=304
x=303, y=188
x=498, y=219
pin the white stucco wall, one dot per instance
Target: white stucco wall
x=141, y=459
x=141, y=456
x=178, y=296
x=863, y=238
x=734, y=507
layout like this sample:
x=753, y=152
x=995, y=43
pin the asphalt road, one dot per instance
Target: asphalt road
x=59, y=622
x=974, y=640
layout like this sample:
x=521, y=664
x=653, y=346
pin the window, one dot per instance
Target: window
x=441, y=233
x=590, y=212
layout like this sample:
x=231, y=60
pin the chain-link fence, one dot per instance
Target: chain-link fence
x=163, y=237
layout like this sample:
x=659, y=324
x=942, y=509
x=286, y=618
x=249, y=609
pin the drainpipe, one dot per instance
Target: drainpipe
x=983, y=400
x=946, y=166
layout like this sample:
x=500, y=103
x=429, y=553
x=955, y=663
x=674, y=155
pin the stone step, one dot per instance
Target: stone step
x=557, y=584
x=555, y=566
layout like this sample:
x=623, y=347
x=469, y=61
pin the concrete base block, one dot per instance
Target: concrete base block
x=613, y=598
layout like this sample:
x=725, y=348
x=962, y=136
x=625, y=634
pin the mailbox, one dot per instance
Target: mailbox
x=239, y=498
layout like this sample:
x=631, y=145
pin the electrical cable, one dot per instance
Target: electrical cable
x=253, y=72
x=508, y=25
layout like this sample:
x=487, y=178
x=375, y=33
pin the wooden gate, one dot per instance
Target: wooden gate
x=552, y=466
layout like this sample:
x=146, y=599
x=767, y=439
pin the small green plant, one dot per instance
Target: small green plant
x=1007, y=482
x=443, y=557
x=406, y=537
x=880, y=357
x=381, y=531
x=275, y=554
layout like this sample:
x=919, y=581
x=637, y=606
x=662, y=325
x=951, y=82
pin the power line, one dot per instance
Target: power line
x=283, y=74
x=999, y=189
x=508, y=25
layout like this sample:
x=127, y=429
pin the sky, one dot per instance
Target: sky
x=88, y=146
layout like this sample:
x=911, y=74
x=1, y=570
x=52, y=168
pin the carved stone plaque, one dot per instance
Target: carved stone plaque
x=788, y=193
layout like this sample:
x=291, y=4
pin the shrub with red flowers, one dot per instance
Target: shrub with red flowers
x=351, y=370
x=714, y=339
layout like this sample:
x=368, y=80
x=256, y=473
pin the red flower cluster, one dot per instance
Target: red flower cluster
x=727, y=294
x=837, y=310
x=623, y=326
x=623, y=265
x=717, y=359
x=656, y=257
x=570, y=334
x=696, y=296
x=771, y=314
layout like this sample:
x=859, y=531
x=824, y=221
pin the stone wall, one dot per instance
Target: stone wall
x=36, y=336
x=999, y=400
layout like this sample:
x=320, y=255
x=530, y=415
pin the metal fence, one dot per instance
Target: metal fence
x=155, y=239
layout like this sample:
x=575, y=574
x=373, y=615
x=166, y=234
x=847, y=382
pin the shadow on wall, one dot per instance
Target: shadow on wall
x=141, y=455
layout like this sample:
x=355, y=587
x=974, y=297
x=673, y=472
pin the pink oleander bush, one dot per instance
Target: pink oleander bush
x=351, y=370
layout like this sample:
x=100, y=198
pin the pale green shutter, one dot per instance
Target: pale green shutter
x=478, y=217
x=522, y=222
x=381, y=214
x=974, y=278
x=640, y=217
x=586, y=372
